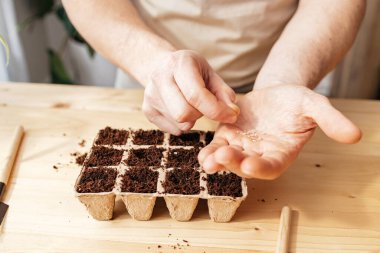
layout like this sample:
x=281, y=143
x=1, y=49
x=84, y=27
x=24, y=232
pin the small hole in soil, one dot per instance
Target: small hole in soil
x=209, y=137
x=145, y=157
x=185, y=139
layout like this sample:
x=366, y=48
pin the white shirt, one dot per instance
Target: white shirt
x=235, y=36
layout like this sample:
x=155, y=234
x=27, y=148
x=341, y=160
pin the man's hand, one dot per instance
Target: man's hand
x=183, y=88
x=273, y=126
x=180, y=85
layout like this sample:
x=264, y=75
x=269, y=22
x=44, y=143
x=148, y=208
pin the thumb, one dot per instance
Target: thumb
x=222, y=91
x=332, y=122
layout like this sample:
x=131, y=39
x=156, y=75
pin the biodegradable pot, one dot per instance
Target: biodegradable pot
x=181, y=208
x=140, y=204
x=100, y=206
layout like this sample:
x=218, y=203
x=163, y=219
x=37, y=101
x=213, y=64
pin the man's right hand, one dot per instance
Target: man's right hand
x=183, y=87
x=180, y=86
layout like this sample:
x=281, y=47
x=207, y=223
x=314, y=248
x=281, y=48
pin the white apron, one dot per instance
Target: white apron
x=235, y=36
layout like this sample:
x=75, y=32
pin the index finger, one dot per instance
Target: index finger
x=193, y=87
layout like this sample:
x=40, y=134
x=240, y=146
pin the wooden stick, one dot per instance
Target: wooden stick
x=10, y=155
x=284, y=230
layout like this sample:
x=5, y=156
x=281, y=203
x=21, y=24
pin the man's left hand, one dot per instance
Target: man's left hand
x=273, y=126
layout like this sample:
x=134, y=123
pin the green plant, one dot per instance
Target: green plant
x=58, y=72
x=6, y=47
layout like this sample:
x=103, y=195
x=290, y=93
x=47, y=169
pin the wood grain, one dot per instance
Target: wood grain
x=334, y=189
x=284, y=230
x=6, y=163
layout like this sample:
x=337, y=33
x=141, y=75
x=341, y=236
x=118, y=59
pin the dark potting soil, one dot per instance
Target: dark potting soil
x=80, y=159
x=145, y=157
x=225, y=184
x=183, y=158
x=182, y=181
x=185, y=139
x=148, y=137
x=110, y=136
x=82, y=143
x=96, y=180
x=139, y=180
x=209, y=137
x=102, y=156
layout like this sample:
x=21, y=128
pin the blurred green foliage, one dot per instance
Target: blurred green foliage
x=58, y=73
x=6, y=47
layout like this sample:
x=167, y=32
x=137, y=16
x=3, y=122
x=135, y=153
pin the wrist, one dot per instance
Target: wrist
x=270, y=76
x=145, y=57
x=151, y=65
x=271, y=81
x=268, y=83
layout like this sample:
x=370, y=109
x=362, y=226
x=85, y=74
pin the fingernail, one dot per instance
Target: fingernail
x=210, y=171
x=233, y=97
x=232, y=116
x=201, y=158
x=246, y=171
x=186, y=126
x=234, y=107
x=207, y=167
x=221, y=158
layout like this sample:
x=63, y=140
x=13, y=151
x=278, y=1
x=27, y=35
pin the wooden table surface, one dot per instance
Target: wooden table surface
x=333, y=188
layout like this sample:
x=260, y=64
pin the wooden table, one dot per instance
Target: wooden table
x=333, y=188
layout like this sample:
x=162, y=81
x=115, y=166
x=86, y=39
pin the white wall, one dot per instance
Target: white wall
x=29, y=61
x=3, y=70
x=17, y=69
x=85, y=70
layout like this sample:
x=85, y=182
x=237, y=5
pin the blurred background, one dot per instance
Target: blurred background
x=46, y=48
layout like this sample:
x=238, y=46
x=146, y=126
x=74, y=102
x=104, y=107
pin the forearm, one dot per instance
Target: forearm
x=116, y=31
x=314, y=41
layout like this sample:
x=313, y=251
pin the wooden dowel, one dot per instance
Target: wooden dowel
x=284, y=230
x=10, y=155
